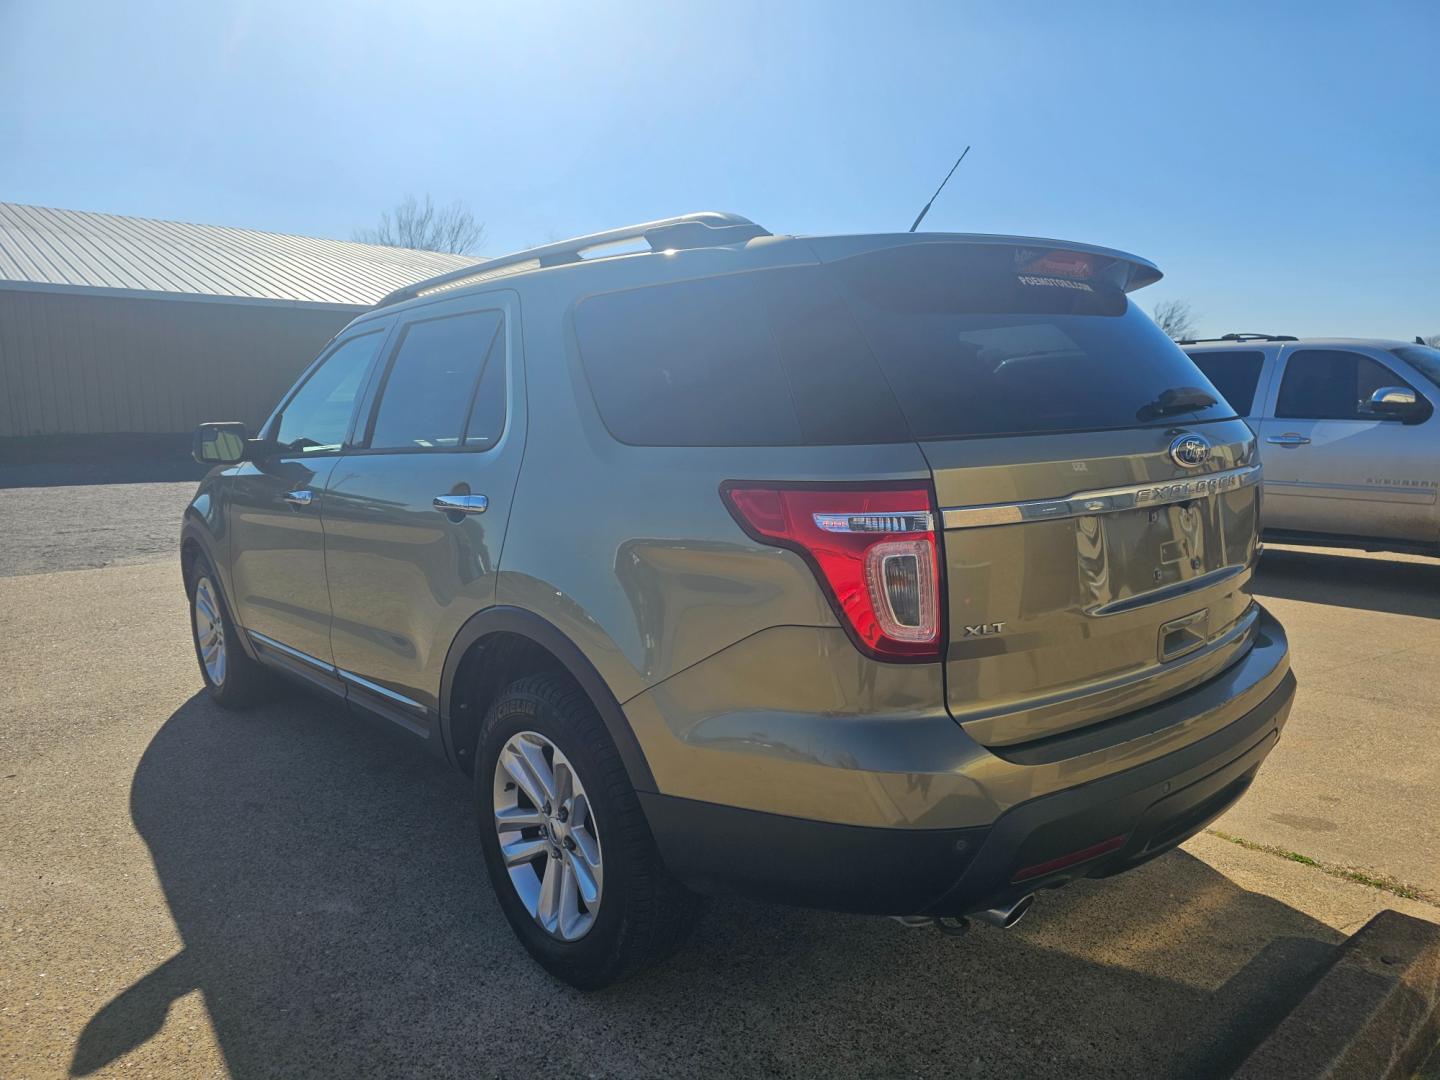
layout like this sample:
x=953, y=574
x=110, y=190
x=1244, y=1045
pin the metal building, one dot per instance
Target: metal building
x=130, y=325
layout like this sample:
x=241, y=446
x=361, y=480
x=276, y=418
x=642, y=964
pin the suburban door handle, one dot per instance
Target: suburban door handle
x=299, y=498
x=1288, y=439
x=461, y=504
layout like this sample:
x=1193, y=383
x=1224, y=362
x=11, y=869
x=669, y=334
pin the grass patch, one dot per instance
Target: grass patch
x=1343, y=873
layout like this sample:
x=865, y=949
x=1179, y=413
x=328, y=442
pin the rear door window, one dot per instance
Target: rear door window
x=1331, y=384
x=1235, y=373
x=429, y=391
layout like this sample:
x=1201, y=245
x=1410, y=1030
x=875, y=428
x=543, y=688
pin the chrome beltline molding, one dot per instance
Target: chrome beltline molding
x=1106, y=501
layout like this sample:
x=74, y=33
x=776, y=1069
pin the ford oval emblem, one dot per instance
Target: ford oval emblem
x=1189, y=450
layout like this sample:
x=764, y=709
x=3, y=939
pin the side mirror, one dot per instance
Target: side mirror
x=1398, y=403
x=220, y=443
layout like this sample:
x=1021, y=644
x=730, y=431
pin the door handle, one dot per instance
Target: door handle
x=461, y=504
x=1288, y=439
x=299, y=498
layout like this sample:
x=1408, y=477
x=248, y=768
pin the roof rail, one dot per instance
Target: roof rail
x=1239, y=337
x=706, y=229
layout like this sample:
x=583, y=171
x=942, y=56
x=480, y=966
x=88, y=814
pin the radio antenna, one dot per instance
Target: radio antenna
x=939, y=189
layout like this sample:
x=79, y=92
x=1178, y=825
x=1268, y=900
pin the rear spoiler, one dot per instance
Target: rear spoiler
x=1033, y=254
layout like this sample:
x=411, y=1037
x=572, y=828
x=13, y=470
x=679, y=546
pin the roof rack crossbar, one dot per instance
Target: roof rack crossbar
x=1239, y=337
x=706, y=229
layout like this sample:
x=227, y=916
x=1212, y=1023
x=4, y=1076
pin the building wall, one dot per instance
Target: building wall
x=77, y=363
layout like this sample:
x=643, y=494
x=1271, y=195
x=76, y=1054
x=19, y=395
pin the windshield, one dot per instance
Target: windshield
x=1423, y=359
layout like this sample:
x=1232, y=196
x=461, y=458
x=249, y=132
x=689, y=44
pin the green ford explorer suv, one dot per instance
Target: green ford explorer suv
x=902, y=574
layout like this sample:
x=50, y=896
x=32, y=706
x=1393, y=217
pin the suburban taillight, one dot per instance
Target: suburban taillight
x=873, y=552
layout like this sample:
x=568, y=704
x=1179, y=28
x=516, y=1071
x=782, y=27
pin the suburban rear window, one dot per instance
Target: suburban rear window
x=918, y=342
x=1234, y=372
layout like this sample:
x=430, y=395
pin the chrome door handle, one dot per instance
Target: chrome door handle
x=299, y=498
x=461, y=504
x=1287, y=439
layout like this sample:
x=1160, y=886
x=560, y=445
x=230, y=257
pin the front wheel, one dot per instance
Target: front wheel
x=232, y=678
x=566, y=844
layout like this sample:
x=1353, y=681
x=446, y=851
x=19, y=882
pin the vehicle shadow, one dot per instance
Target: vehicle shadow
x=1350, y=580
x=337, y=920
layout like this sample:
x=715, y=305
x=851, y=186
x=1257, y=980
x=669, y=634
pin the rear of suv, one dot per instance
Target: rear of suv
x=900, y=574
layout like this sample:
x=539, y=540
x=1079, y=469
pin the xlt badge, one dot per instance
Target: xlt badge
x=985, y=629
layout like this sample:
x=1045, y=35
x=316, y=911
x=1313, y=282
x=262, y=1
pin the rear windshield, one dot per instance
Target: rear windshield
x=931, y=341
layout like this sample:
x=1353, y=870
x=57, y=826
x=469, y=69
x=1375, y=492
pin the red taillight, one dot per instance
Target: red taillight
x=873, y=552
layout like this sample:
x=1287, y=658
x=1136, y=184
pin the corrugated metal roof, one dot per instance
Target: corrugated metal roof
x=68, y=250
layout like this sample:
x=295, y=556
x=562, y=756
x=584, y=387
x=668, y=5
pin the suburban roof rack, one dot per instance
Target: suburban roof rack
x=1239, y=337
x=706, y=229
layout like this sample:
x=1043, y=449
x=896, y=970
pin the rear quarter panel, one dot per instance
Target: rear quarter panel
x=629, y=550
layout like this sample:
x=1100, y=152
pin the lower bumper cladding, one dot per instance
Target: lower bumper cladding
x=1094, y=830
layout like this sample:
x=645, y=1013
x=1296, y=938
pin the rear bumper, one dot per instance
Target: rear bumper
x=1104, y=826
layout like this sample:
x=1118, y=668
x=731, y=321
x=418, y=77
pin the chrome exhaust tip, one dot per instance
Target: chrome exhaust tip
x=1006, y=917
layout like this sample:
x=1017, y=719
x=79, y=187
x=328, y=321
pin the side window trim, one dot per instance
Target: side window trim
x=496, y=338
x=1268, y=389
x=383, y=327
x=363, y=422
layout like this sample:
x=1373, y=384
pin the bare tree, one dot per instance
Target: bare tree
x=1433, y=340
x=426, y=227
x=1175, y=318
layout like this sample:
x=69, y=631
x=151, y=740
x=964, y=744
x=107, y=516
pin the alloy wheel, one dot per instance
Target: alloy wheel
x=548, y=837
x=209, y=630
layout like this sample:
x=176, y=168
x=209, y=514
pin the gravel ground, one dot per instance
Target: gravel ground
x=293, y=892
x=75, y=527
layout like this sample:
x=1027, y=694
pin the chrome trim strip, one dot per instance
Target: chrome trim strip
x=376, y=688
x=1106, y=501
x=278, y=646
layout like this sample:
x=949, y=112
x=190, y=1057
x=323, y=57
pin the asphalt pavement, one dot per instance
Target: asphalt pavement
x=186, y=892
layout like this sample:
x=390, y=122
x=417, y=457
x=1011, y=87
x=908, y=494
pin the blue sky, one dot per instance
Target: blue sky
x=1280, y=161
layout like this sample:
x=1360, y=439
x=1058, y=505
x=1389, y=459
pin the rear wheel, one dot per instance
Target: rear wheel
x=232, y=678
x=566, y=844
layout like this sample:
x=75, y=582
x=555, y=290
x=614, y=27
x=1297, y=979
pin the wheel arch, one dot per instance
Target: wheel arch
x=519, y=628
x=197, y=542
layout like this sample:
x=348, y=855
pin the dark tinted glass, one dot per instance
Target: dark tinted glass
x=923, y=341
x=431, y=383
x=1331, y=384
x=764, y=359
x=972, y=344
x=487, y=415
x=1423, y=359
x=1234, y=373
x=315, y=419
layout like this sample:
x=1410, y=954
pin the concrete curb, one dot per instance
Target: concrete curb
x=1374, y=1014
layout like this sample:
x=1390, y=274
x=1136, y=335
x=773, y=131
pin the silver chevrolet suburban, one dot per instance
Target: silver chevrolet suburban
x=1347, y=431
